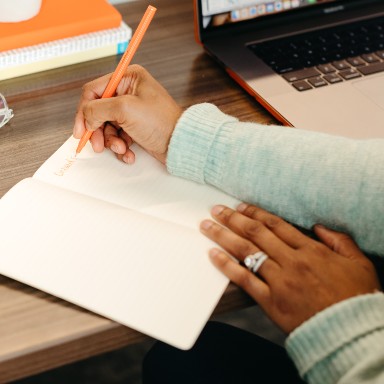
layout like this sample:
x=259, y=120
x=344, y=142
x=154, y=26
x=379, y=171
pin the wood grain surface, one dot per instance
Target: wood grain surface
x=39, y=331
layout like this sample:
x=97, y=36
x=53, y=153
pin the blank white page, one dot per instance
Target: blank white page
x=144, y=186
x=151, y=275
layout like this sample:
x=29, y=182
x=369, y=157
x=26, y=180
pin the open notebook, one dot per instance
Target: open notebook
x=120, y=240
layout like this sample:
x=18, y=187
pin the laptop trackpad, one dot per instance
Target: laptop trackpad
x=372, y=88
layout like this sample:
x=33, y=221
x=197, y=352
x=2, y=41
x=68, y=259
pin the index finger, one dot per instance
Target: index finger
x=253, y=230
x=285, y=231
x=91, y=91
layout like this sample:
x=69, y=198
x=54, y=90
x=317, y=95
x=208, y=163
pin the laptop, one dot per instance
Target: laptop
x=314, y=64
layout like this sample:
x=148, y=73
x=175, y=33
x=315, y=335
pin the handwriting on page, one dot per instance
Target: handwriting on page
x=68, y=164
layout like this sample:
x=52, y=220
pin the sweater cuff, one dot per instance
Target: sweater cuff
x=318, y=346
x=192, y=140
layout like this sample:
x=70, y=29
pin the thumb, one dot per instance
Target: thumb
x=114, y=109
x=339, y=242
x=91, y=91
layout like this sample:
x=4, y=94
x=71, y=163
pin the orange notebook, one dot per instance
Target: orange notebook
x=59, y=19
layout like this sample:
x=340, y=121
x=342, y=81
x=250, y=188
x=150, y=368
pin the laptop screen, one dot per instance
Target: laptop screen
x=216, y=13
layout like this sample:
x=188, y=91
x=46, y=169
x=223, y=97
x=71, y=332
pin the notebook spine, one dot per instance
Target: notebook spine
x=68, y=46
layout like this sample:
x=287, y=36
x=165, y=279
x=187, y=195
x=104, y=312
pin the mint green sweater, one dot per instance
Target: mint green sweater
x=306, y=178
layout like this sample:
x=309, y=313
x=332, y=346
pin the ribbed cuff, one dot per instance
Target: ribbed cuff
x=192, y=140
x=326, y=346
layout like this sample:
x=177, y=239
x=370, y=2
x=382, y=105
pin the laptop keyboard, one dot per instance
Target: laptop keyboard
x=326, y=57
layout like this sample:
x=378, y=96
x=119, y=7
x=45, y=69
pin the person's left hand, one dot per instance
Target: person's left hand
x=301, y=276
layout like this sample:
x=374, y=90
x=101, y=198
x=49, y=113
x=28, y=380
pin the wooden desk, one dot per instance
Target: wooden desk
x=38, y=331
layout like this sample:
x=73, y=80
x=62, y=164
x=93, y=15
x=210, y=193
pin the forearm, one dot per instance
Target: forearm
x=342, y=344
x=304, y=177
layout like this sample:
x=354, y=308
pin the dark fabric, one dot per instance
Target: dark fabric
x=222, y=354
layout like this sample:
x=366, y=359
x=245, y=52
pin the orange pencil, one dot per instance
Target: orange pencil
x=123, y=65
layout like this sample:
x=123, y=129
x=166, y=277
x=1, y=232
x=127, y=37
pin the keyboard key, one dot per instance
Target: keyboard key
x=372, y=68
x=286, y=67
x=317, y=82
x=361, y=49
x=301, y=74
x=340, y=65
x=356, y=61
x=332, y=78
x=301, y=86
x=380, y=54
x=370, y=58
x=326, y=68
x=350, y=73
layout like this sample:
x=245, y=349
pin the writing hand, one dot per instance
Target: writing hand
x=301, y=277
x=142, y=111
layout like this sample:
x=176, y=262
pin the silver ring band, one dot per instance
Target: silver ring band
x=255, y=261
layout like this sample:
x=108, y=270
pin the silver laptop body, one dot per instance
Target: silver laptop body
x=245, y=36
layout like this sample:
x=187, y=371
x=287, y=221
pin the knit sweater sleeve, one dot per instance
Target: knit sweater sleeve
x=343, y=344
x=302, y=176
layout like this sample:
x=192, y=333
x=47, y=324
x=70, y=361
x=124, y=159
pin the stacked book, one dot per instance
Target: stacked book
x=63, y=33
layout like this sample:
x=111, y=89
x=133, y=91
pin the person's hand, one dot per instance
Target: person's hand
x=301, y=276
x=142, y=111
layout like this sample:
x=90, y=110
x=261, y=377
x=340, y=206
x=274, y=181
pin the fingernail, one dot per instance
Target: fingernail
x=76, y=131
x=217, y=209
x=115, y=148
x=214, y=253
x=242, y=207
x=206, y=224
x=128, y=159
